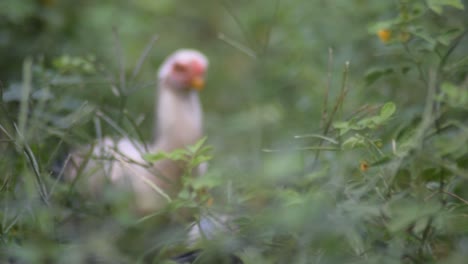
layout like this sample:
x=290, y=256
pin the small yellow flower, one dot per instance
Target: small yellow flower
x=384, y=35
x=364, y=166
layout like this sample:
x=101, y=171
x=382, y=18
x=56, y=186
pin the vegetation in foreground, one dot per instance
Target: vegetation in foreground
x=326, y=147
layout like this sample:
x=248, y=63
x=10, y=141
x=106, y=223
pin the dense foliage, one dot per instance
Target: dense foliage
x=337, y=131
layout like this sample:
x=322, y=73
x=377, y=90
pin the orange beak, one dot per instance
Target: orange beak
x=197, y=83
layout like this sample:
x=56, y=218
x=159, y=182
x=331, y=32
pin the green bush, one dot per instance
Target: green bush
x=339, y=129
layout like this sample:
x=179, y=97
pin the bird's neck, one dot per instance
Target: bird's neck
x=179, y=119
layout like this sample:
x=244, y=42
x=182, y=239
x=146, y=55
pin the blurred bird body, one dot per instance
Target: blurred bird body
x=179, y=123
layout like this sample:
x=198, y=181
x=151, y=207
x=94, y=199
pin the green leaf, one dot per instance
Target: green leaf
x=387, y=110
x=424, y=35
x=370, y=122
x=353, y=142
x=437, y=5
x=448, y=36
x=178, y=154
x=405, y=213
x=197, y=146
x=374, y=74
x=69, y=64
x=199, y=159
x=290, y=197
x=449, y=89
x=340, y=124
x=207, y=181
x=155, y=156
x=381, y=161
x=387, y=24
x=462, y=62
x=455, y=96
x=343, y=126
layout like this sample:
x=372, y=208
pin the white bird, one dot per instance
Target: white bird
x=179, y=123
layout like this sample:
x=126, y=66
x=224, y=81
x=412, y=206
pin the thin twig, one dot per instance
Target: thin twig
x=122, y=87
x=144, y=179
x=246, y=50
x=25, y=94
x=421, y=73
x=59, y=176
x=121, y=58
x=331, y=140
x=339, y=102
x=270, y=28
x=456, y=197
x=244, y=30
x=328, y=87
x=34, y=166
x=115, y=126
x=302, y=149
x=137, y=131
x=144, y=56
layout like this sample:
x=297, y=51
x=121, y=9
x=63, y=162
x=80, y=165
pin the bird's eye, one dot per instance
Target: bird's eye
x=179, y=67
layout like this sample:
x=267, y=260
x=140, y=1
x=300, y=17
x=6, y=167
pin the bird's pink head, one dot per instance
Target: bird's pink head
x=184, y=69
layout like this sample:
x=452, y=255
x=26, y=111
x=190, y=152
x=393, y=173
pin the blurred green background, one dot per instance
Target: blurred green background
x=273, y=65
x=260, y=95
